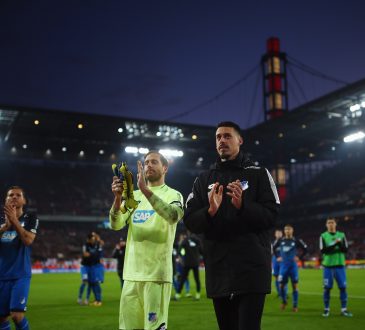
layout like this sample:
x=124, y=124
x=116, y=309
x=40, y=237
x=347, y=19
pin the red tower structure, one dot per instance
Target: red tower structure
x=275, y=86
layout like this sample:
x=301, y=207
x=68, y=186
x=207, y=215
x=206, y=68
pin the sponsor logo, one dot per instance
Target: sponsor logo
x=142, y=216
x=9, y=236
x=152, y=317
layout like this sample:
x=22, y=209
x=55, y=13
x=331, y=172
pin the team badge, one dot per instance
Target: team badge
x=152, y=317
x=244, y=184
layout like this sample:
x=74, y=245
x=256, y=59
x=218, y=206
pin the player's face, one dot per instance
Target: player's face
x=331, y=226
x=153, y=168
x=278, y=234
x=288, y=232
x=15, y=198
x=227, y=142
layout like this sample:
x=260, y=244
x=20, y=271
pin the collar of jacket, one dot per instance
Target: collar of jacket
x=240, y=161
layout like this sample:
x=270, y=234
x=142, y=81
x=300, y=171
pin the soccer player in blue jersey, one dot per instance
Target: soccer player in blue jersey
x=17, y=232
x=275, y=263
x=288, y=246
x=91, y=269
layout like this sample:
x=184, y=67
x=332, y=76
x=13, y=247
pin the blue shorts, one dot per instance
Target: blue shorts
x=288, y=270
x=84, y=271
x=337, y=273
x=14, y=295
x=96, y=273
x=275, y=266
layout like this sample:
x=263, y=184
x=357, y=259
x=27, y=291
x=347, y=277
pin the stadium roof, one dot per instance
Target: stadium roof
x=313, y=131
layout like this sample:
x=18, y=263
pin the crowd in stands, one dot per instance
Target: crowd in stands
x=80, y=189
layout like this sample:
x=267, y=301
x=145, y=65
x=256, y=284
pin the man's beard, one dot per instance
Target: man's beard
x=154, y=177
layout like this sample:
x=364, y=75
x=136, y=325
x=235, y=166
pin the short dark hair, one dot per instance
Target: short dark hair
x=15, y=187
x=289, y=225
x=230, y=124
x=164, y=161
x=332, y=219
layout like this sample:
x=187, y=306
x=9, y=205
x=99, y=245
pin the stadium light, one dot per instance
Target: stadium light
x=354, y=137
x=131, y=150
x=25, y=146
x=143, y=151
x=36, y=122
x=355, y=107
x=101, y=152
x=120, y=130
x=363, y=104
x=194, y=136
x=64, y=149
x=171, y=152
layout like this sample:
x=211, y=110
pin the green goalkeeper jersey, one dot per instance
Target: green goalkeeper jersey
x=333, y=246
x=150, y=239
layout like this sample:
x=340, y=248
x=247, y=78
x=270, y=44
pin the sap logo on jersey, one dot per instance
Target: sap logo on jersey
x=142, y=216
x=8, y=236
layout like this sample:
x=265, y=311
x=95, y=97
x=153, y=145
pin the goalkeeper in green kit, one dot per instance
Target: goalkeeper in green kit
x=333, y=245
x=152, y=220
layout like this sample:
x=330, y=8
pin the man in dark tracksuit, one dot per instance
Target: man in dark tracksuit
x=190, y=251
x=234, y=205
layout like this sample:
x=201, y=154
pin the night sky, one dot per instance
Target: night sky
x=158, y=59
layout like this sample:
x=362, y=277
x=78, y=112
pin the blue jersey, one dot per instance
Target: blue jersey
x=288, y=249
x=96, y=253
x=15, y=262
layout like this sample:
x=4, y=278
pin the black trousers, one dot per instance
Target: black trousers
x=241, y=312
x=184, y=276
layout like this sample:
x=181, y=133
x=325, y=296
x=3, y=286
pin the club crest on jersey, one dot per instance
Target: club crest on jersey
x=152, y=317
x=141, y=216
x=210, y=186
x=244, y=184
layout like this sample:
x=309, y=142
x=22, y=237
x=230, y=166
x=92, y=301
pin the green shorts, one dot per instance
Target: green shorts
x=144, y=305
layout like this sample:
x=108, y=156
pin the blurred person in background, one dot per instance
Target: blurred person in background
x=190, y=252
x=288, y=249
x=119, y=254
x=333, y=246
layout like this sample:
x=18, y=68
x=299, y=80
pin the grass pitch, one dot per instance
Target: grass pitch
x=52, y=305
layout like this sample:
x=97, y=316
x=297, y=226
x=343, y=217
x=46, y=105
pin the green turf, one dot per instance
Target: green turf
x=52, y=305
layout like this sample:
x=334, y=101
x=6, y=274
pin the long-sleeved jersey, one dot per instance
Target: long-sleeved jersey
x=150, y=237
x=288, y=249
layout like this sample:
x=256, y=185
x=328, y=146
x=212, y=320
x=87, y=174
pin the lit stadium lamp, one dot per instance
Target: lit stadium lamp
x=355, y=107
x=171, y=153
x=64, y=149
x=143, y=151
x=13, y=150
x=80, y=126
x=48, y=152
x=101, y=152
x=36, y=122
x=82, y=153
x=292, y=160
x=354, y=137
x=158, y=133
x=120, y=130
x=363, y=104
x=131, y=150
x=194, y=136
x=25, y=146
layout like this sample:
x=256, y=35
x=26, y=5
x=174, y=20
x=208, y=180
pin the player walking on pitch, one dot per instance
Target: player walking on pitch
x=152, y=225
